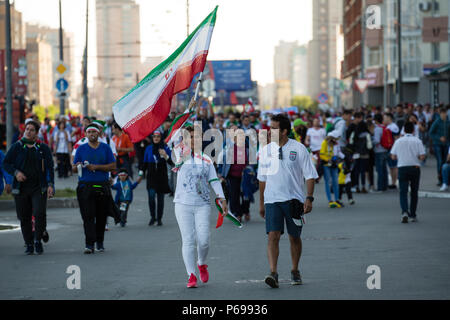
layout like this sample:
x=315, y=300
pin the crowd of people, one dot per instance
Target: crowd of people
x=345, y=149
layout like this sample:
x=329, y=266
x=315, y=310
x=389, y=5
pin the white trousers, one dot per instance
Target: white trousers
x=193, y=222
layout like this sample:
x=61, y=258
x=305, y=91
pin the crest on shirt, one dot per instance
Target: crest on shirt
x=293, y=155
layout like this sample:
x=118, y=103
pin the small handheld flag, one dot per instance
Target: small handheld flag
x=230, y=216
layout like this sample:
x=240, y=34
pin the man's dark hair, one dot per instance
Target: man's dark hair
x=358, y=115
x=34, y=124
x=390, y=115
x=378, y=118
x=442, y=110
x=245, y=116
x=87, y=118
x=284, y=122
x=409, y=127
x=116, y=125
x=349, y=112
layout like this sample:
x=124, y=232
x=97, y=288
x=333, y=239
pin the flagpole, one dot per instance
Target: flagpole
x=199, y=81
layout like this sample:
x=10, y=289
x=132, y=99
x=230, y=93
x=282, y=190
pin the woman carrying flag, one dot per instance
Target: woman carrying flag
x=192, y=207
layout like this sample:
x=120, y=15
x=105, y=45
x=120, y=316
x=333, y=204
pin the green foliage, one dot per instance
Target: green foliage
x=304, y=102
x=51, y=111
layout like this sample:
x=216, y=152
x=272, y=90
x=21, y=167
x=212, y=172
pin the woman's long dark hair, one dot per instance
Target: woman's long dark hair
x=361, y=128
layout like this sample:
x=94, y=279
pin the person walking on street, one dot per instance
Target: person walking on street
x=329, y=156
x=392, y=126
x=381, y=154
x=123, y=147
x=31, y=165
x=361, y=141
x=63, y=149
x=409, y=151
x=283, y=168
x=192, y=207
x=94, y=161
x=157, y=156
x=440, y=136
x=124, y=196
x=446, y=173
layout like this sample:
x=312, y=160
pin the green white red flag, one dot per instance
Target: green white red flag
x=229, y=216
x=142, y=110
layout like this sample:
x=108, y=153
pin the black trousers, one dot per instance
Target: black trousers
x=124, y=214
x=31, y=203
x=238, y=205
x=409, y=176
x=63, y=160
x=94, y=204
x=347, y=188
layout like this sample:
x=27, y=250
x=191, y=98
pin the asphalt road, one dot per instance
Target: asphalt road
x=142, y=262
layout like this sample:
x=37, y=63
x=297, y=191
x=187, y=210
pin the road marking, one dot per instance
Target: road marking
x=439, y=195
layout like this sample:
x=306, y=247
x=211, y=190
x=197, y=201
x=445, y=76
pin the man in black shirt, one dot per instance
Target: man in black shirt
x=31, y=164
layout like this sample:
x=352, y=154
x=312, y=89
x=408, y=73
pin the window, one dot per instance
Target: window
x=435, y=52
x=374, y=57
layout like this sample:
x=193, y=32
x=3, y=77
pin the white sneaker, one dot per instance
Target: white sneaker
x=444, y=187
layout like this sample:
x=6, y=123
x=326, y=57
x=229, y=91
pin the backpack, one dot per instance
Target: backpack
x=387, y=139
x=361, y=144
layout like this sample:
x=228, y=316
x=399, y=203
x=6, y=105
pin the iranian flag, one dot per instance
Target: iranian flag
x=142, y=110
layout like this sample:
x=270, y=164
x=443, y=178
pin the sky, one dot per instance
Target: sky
x=245, y=29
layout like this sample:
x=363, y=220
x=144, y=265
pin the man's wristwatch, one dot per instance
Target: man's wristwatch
x=310, y=199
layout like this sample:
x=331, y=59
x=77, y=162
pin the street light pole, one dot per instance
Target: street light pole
x=9, y=102
x=399, y=51
x=61, y=58
x=85, y=67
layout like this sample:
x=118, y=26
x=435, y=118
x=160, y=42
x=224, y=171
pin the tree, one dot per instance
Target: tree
x=304, y=102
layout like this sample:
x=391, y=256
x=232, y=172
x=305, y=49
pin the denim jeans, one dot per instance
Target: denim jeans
x=409, y=176
x=331, y=173
x=440, y=152
x=445, y=173
x=381, y=167
x=152, y=194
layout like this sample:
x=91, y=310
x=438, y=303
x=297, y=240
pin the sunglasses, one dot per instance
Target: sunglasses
x=280, y=153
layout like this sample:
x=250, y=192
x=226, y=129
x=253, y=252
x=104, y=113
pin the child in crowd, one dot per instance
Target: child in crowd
x=345, y=181
x=124, y=196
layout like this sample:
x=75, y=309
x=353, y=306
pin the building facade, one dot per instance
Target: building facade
x=40, y=67
x=51, y=36
x=118, y=51
x=425, y=47
x=324, y=63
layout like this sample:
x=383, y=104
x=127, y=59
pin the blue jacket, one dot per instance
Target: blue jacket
x=3, y=174
x=118, y=187
x=440, y=129
x=15, y=160
x=249, y=184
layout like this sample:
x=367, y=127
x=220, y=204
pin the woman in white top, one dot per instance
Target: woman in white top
x=193, y=205
x=63, y=148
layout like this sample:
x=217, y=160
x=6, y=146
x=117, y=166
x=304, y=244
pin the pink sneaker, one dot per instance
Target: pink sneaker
x=204, y=275
x=192, y=281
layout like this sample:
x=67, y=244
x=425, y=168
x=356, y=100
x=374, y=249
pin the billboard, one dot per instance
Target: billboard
x=19, y=73
x=229, y=75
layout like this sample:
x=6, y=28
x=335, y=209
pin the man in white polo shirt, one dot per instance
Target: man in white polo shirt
x=409, y=152
x=283, y=167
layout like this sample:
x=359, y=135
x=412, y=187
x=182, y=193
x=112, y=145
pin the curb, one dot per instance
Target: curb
x=55, y=203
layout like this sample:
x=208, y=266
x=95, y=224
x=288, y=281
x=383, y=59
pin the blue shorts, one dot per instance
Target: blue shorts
x=276, y=215
x=392, y=163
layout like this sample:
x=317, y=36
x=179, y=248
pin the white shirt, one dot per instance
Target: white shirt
x=285, y=178
x=408, y=149
x=63, y=146
x=316, y=138
x=193, y=180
